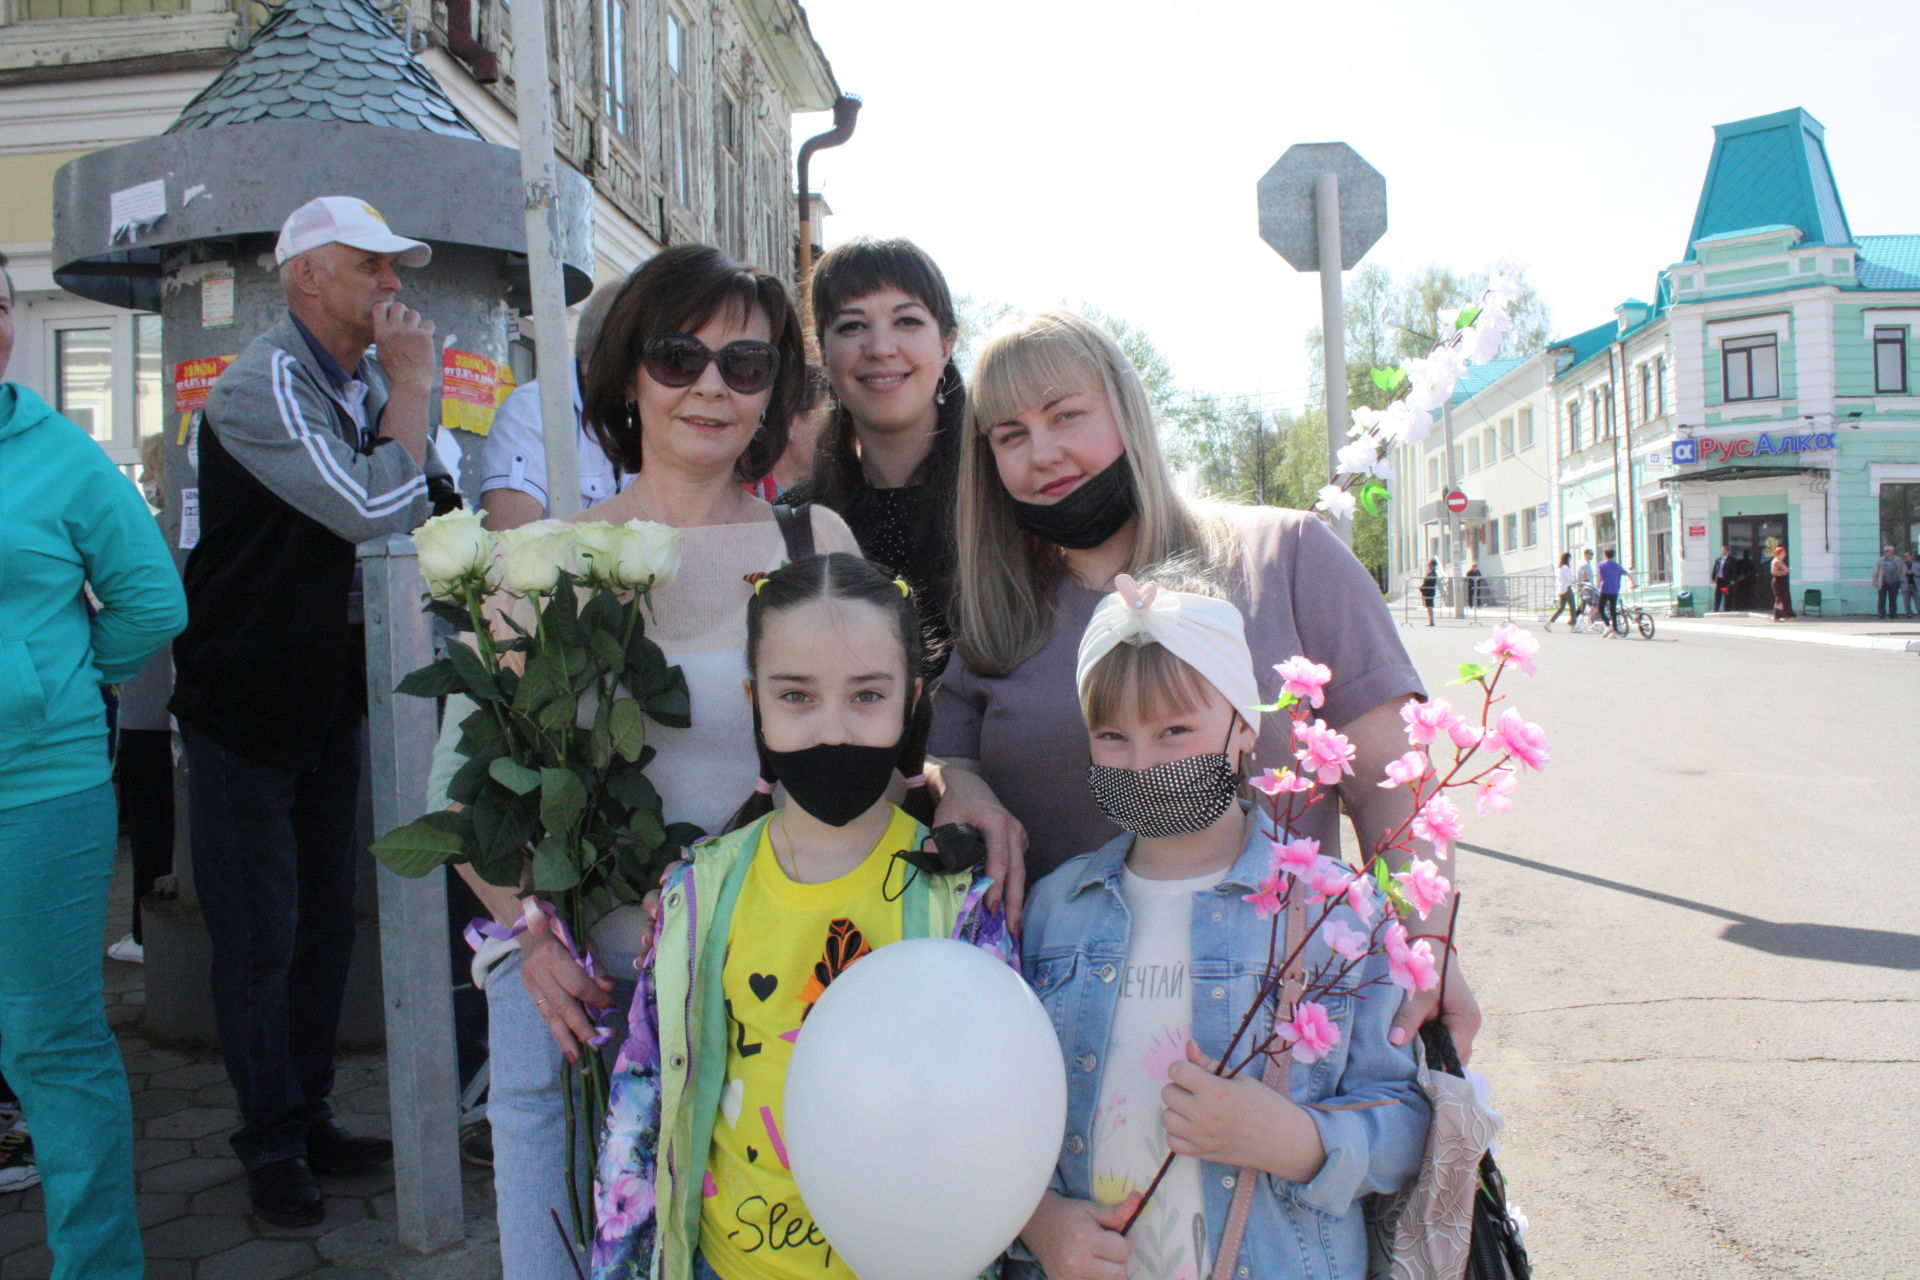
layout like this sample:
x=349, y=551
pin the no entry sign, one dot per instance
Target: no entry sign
x=1456, y=501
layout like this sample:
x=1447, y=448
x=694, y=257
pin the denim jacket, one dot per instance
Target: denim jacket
x=666, y=1083
x=1075, y=947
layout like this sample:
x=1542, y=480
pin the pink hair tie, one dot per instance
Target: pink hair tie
x=762, y=786
x=917, y=780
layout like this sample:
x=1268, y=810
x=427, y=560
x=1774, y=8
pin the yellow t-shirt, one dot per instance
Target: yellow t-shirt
x=787, y=943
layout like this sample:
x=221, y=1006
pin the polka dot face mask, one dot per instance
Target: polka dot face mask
x=1172, y=799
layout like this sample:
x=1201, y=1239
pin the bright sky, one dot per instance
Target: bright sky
x=1107, y=150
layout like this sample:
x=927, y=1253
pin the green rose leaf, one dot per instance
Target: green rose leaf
x=464, y=787
x=628, y=728
x=452, y=612
x=647, y=829
x=630, y=786
x=562, y=799
x=477, y=681
x=672, y=706
x=435, y=680
x=419, y=847
x=554, y=868
x=1380, y=876
x=604, y=615
x=606, y=650
x=513, y=775
x=481, y=735
x=502, y=824
x=542, y=682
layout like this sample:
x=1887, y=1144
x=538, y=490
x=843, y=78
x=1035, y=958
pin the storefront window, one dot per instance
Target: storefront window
x=1900, y=516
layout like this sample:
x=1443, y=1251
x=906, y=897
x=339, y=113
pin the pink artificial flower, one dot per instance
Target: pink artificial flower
x=1267, y=902
x=1425, y=720
x=1464, y=732
x=1342, y=940
x=1275, y=781
x=1424, y=886
x=1495, y=792
x=1513, y=646
x=1523, y=741
x=1360, y=896
x=1310, y=1031
x=1410, y=767
x=1412, y=968
x=1438, y=821
x=1304, y=679
x=1323, y=753
x=1330, y=883
x=1297, y=858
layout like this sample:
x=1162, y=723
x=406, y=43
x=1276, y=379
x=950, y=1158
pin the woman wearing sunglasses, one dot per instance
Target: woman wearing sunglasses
x=699, y=367
x=889, y=453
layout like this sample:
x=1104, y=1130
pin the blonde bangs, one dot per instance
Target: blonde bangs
x=1027, y=363
x=1159, y=684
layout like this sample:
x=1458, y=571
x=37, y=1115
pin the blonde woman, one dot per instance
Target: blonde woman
x=1063, y=486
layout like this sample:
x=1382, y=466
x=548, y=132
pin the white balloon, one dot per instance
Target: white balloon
x=924, y=1108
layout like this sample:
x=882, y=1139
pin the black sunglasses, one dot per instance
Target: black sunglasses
x=678, y=360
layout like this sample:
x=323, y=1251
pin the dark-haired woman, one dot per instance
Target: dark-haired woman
x=889, y=453
x=699, y=367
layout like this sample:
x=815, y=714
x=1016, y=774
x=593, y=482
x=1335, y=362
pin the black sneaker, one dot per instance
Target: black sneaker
x=285, y=1194
x=17, y=1169
x=331, y=1149
x=476, y=1144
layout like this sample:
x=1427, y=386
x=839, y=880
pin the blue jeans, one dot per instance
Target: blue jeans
x=527, y=1114
x=273, y=861
x=56, y=860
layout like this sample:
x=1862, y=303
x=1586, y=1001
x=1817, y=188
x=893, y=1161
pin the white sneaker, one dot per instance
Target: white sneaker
x=127, y=951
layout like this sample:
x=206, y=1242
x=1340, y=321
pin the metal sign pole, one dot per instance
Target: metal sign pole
x=1333, y=325
x=423, y=1077
x=533, y=104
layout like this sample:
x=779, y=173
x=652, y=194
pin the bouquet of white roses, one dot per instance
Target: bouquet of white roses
x=553, y=798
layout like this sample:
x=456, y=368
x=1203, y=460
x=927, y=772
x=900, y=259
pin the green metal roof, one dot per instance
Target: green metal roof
x=1587, y=345
x=326, y=60
x=1889, y=262
x=1479, y=377
x=1770, y=171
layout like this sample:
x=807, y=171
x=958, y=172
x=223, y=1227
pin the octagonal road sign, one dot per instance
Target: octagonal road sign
x=1286, y=204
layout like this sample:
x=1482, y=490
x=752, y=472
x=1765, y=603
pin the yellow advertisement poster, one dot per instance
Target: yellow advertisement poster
x=472, y=387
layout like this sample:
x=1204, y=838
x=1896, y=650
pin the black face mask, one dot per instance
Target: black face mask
x=835, y=782
x=1089, y=515
x=1172, y=799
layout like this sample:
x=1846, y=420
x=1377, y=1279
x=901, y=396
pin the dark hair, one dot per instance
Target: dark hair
x=839, y=575
x=1566, y=558
x=679, y=290
x=851, y=271
x=1607, y=552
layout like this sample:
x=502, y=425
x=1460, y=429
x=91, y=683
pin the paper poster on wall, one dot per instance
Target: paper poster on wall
x=1696, y=531
x=472, y=387
x=216, y=299
x=189, y=519
x=131, y=210
x=194, y=379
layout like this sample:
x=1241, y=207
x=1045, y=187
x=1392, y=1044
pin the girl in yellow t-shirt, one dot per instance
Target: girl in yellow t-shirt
x=762, y=920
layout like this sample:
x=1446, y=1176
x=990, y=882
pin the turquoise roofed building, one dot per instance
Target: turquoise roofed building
x=1766, y=397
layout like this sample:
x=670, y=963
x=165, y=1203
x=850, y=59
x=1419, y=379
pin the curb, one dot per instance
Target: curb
x=1889, y=644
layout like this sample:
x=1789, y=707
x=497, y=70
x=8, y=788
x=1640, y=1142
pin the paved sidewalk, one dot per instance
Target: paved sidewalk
x=1854, y=631
x=192, y=1195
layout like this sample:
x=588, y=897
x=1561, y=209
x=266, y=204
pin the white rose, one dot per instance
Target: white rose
x=598, y=544
x=535, y=554
x=455, y=552
x=649, y=553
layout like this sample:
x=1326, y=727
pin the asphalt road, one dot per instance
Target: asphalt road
x=1697, y=938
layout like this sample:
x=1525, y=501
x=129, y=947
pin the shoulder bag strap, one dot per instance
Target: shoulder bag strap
x=796, y=528
x=1274, y=1076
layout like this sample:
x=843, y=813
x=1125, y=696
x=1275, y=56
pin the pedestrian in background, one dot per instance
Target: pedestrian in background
x=1889, y=577
x=144, y=766
x=1911, y=588
x=1429, y=586
x=1778, y=572
x=1725, y=571
x=1476, y=586
x=1611, y=573
x=70, y=524
x=310, y=445
x=1563, y=586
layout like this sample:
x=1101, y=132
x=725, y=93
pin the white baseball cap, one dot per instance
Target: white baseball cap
x=346, y=220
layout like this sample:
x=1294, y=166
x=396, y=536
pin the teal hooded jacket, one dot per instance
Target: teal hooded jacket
x=69, y=520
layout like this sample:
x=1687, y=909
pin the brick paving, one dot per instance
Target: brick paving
x=192, y=1194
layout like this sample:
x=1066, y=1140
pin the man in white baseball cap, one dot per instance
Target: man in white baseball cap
x=346, y=220
x=313, y=440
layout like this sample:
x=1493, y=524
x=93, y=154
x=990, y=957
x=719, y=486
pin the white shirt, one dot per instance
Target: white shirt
x=515, y=454
x=1563, y=577
x=1152, y=1023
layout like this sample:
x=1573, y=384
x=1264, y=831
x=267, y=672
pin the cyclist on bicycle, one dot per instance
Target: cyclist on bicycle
x=1611, y=572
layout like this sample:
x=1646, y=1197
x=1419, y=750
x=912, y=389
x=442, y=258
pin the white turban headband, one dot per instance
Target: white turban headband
x=1206, y=634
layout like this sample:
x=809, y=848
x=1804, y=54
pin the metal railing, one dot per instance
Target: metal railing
x=1502, y=596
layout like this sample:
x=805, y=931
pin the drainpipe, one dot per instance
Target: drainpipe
x=846, y=110
x=480, y=60
x=1621, y=514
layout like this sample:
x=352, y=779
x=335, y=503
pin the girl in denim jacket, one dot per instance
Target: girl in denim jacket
x=1147, y=954
x=693, y=1179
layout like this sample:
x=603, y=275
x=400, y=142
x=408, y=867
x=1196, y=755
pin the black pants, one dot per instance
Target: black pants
x=1723, y=598
x=1609, y=607
x=1888, y=605
x=145, y=772
x=273, y=861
